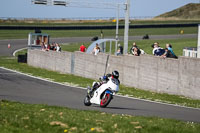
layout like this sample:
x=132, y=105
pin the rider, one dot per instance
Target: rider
x=105, y=79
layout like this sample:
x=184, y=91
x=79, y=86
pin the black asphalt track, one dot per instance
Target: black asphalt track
x=22, y=43
x=18, y=87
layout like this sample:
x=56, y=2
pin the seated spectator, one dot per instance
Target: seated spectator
x=52, y=47
x=170, y=51
x=96, y=49
x=142, y=51
x=43, y=46
x=58, y=47
x=169, y=47
x=120, y=50
x=136, y=51
x=133, y=46
x=157, y=51
x=48, y=47
x=168, y=54
x=82, y=48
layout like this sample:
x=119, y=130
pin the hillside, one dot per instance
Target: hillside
x=189, y=11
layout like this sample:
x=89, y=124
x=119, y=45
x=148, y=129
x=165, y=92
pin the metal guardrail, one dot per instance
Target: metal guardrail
x=94, y=27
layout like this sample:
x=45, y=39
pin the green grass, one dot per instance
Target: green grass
x=14, y=34
x=29, y=118
x=11, y=63
x=21, y=52
x=159, y=97
x=23, y=34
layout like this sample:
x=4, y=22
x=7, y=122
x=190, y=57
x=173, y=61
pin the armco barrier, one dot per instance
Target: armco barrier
x=174, y=76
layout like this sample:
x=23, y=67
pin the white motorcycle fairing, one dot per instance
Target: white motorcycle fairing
x=112, y=85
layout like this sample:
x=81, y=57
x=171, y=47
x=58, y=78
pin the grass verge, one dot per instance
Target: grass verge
x=22, y=34
x=11, y=63
x=30, y=118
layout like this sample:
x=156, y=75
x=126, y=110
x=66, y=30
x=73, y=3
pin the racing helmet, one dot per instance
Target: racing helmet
x=115, y=74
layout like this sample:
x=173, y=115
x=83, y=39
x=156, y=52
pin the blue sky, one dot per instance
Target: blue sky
x=24, y=9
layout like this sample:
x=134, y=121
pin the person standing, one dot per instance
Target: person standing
x=120, y=50
x=82, y=48
x=96, y=49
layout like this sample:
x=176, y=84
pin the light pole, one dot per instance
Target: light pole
x=127, y=14
x=198, y=43
x=103, y=5
x=117, y=28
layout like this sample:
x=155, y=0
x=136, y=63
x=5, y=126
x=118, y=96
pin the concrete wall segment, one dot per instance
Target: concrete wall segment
x=174, y=76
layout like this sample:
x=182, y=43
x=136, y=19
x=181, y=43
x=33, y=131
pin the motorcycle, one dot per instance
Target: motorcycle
x=103, y=94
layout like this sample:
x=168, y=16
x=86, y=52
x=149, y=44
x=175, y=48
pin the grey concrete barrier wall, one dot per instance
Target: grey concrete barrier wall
x=88, y=65
x=174, y=76
x=189, y=77
x=51, y=60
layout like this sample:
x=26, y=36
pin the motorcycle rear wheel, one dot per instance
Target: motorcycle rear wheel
x=105, y=100
x=87, y=101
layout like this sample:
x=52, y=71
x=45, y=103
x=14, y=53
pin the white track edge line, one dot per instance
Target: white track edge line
x=145, y=100
x=18, y=50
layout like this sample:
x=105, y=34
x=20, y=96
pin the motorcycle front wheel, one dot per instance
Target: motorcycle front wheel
x=105, y=100
x=87, y=101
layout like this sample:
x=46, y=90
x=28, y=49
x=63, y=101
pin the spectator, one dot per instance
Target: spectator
x=136, y=51
x=170, y=51
x=120, y=50
x=169, y=47
x=58, y=47
x=82, y=48
x=168, y=54
x=96, y=50
x=132, y=48
x=157, y=51
x=52, y=46
x=43, y=46
x=48, y=47
x=142, y=51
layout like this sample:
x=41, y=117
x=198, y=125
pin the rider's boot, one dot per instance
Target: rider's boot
x=91, y=90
